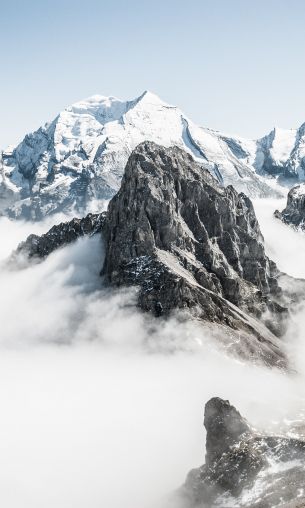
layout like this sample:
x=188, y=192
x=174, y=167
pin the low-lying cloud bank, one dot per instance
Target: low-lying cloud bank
x=286, y=247
x=100, y=405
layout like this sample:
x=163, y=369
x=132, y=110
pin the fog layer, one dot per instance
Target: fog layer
x=102, y=407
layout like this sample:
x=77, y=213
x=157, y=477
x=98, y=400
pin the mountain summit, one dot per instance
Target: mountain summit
x=78, y=159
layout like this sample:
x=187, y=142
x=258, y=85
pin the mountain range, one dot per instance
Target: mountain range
x=76, y=162
x=180, y=235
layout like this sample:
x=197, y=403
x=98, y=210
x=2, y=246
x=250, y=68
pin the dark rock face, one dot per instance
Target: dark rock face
x=294, y=213
x=173, y=204
x=271, y=468
x=62, y=234
x=190, y=244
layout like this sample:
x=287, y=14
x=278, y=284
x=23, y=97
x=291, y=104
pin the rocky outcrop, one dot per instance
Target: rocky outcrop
x=60, y=235
x=190, y=244
x=294, y=213
x=244, y=468
x=224, y=426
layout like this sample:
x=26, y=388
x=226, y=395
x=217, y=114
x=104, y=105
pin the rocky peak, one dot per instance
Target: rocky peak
x=224, y=426
x=189, y=244
x=294, y=212
x=237, y=460
x=172, y=203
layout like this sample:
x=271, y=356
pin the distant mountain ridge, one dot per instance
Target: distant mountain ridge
x=279, y=153
x=78, y=159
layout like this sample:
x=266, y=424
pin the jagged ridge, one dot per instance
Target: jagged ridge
x=60, y=235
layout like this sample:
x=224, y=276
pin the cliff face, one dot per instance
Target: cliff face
x=188, y=243
x=243, y=467
x=170, y=204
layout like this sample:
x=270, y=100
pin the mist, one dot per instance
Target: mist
x=282, y=243
x=102, y=406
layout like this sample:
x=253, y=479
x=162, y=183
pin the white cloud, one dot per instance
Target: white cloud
x=100, y=406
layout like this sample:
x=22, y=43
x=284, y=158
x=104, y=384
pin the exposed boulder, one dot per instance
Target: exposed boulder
x=243, y=467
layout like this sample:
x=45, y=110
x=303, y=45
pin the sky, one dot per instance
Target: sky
x=233, y=65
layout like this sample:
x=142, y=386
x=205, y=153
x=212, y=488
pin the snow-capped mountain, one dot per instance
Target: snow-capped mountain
x=79, y=158
x=280, y=153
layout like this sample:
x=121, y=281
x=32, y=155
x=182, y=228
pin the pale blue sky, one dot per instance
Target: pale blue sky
x=233, y=65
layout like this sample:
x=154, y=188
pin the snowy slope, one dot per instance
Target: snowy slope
x=283, y=142
x=77, y=161
x=281, y=153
